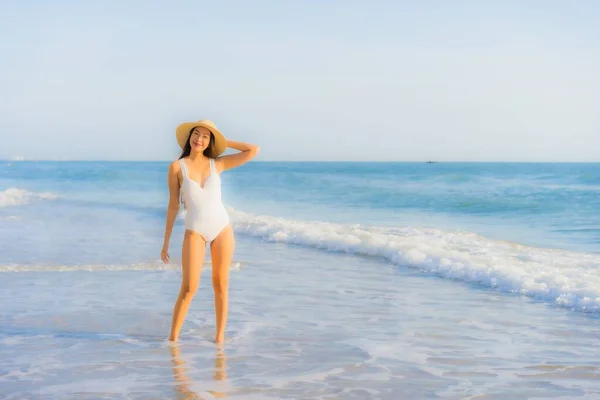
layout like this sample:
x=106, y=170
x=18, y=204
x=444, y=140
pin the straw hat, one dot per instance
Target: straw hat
x=183, y=132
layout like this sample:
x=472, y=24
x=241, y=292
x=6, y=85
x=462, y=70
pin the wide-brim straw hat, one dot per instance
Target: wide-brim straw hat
x=182, y=133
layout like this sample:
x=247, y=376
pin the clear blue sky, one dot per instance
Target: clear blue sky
x=306, y=80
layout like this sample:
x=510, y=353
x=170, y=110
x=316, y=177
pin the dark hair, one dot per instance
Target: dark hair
x=210, y=151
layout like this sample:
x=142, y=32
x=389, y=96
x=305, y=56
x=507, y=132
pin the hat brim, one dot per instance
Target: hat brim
x=183, y=133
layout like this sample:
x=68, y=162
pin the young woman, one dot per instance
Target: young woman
x=195, y=177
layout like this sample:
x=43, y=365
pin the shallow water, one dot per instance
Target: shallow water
x=302, y=324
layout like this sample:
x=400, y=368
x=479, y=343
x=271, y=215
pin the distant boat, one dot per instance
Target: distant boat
x=431, y=162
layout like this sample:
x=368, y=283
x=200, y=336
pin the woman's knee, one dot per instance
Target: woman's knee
x=188, y=290
x=220, y=285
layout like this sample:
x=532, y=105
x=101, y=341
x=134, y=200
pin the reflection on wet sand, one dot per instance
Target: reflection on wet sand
x=183, y=382
x=220, y=365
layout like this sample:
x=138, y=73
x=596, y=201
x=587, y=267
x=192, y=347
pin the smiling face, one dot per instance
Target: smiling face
x=200, y=139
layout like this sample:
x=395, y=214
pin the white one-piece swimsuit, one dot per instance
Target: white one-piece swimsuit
x=205, y=212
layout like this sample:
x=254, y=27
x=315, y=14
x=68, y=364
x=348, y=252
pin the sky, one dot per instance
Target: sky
x=306, y=80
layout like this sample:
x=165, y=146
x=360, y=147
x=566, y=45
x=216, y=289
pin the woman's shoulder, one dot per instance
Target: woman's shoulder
x=175, y=166
x=218, y=164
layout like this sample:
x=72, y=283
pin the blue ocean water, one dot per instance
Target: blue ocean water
x=553, y=206
x=401, y=270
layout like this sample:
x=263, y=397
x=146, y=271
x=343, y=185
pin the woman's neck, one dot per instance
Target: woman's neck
x=197, y=157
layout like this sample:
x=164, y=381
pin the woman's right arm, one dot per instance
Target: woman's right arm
x=172, y=208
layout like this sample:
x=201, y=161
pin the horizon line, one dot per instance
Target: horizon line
x=317, y=161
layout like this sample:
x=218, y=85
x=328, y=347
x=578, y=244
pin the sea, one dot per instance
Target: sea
x=349, y=280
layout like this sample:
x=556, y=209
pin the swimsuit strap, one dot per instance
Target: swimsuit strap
x=213, y=167
x=183, y=168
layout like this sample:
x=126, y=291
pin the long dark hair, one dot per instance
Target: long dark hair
x=210, y=151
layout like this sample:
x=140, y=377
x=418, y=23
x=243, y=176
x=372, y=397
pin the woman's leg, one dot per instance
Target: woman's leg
x=221, y=250
x=192, y=259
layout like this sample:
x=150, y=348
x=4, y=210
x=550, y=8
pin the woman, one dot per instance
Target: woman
x=195, y=176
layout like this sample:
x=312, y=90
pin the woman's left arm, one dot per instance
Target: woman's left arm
x=247, y=153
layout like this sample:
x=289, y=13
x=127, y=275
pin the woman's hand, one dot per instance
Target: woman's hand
x=164, y=255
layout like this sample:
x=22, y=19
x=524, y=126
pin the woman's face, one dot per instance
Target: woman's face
x=200, y=139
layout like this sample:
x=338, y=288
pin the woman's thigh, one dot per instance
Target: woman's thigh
x=222, y=253
x=192, y=260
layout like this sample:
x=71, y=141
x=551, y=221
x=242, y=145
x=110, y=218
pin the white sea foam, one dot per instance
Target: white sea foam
x=565, y=278
x=16, y=196
x=151, y=266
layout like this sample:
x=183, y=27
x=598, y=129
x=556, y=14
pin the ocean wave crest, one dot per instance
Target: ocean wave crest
x=16, y=196
x=561, y=277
